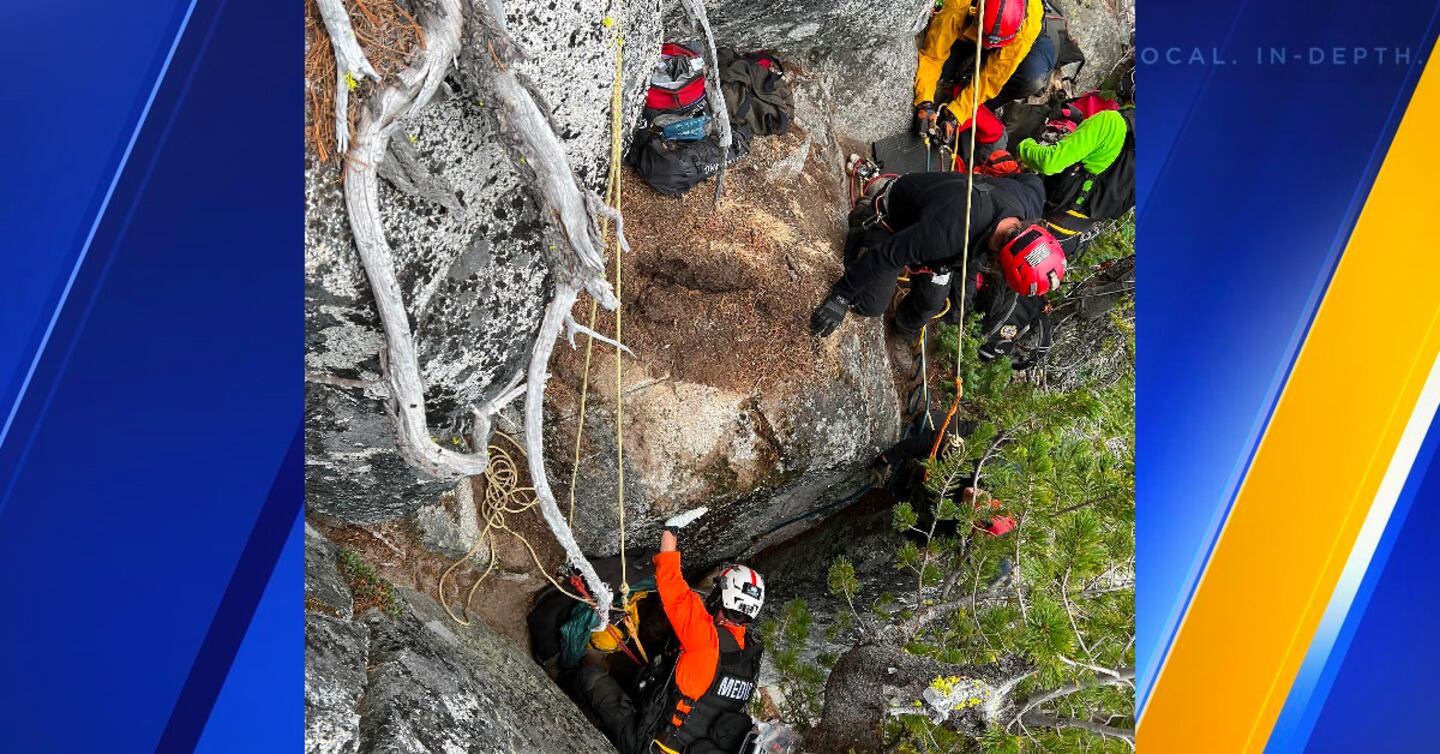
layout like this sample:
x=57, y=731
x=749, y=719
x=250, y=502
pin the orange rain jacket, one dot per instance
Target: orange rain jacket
x=693, y=624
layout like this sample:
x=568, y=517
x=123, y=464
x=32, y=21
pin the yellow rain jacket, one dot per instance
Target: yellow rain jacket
x=999, y=65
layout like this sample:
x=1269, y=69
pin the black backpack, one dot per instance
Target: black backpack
x=756, y=92
x=674, y=167
x=1011, y=325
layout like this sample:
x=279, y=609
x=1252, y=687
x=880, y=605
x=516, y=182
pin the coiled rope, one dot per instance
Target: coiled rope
x=503, y=497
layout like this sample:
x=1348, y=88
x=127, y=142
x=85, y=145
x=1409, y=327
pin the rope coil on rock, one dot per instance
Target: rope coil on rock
x=503, y=496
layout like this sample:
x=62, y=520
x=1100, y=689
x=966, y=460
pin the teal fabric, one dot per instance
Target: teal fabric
x=575, y=632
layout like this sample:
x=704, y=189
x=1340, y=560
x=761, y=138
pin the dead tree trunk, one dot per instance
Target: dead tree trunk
x=576, y=255
x=876, y=682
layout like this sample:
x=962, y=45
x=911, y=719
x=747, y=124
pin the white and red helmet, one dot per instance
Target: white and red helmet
x=742, y=591
x=1032, y=261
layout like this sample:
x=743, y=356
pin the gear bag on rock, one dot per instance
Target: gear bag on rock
x=678, y=83
x=756, y=92
x=674, y=167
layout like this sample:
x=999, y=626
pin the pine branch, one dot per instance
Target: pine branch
x=1041, y=720
x=1108, y=678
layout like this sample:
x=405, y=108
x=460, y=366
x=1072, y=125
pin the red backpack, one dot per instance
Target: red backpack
x=678, y=83
x=1090, y=103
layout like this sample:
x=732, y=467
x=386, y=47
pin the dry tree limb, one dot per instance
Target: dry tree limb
x=577, y=261
x=413, y=89
x=718, y=109
x=351, y=65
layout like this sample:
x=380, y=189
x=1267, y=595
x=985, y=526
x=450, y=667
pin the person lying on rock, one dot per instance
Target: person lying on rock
x=1089, y=169
x=917, y=221
x=700, y=708
x=1016, y=59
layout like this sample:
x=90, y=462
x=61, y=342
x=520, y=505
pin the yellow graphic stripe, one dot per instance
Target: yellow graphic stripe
x=1317, y=467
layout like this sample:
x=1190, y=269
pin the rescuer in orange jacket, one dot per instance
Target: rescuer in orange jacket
x=702, y=707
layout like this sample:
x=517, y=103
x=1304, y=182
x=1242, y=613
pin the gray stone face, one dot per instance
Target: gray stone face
x=412, y=681
x=861, y=54
x=436, y=686
x=467, y=240
x=1103, y=30
x=468, y=246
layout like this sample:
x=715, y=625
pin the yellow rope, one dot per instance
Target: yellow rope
x=503, y=497
x=616, y=106
x=612, y=199
x=969, y=198
x=580, y=422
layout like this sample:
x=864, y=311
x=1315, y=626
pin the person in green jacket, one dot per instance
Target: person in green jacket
x=1089, y=173
x=1094, y=144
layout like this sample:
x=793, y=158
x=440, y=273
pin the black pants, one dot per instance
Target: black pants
x=926, y=298
x=616, y=710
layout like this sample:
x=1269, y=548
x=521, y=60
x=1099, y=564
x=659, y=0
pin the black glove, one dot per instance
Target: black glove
x=828, y=315
x=924, y=117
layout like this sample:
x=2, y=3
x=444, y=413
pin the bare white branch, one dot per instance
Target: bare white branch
x=1039, y=720
x=351, y=65
x=573, y=328
x=414, y=88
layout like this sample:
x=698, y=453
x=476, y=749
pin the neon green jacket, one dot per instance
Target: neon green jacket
x=1095, y=145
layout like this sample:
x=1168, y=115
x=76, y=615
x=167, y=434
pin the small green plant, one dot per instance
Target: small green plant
x=801, y=683
x=367, y=587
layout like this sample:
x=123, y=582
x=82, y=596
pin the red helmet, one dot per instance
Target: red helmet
x=1003, y=19
x=1033, y=261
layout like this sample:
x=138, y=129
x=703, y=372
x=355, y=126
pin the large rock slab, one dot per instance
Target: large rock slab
x=412, y=681
x=729, y=402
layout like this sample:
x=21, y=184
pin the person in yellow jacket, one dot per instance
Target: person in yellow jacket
x=1016, y=57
